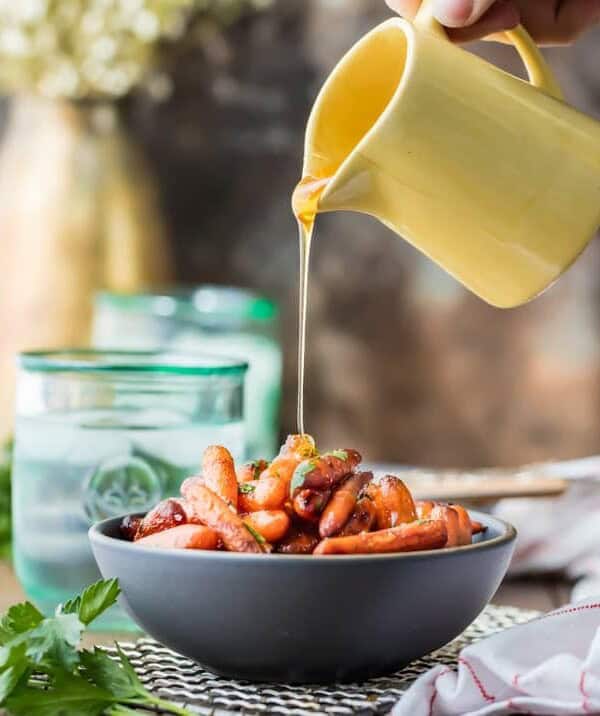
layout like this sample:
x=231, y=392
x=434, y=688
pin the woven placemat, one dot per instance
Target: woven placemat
x=181, y=680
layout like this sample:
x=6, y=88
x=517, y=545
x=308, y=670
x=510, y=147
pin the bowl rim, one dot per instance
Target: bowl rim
x=97, y=535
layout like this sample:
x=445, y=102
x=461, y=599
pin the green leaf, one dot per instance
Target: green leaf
x=340, y=454
x=87, y=683
x=300, y=473
x=68, y=695
x=13, y=666
x=54, y=642
x=119, y=710
x=94, y=600
x=246, y=488
x=18, y=619
x=129, y=670
x=120, y=679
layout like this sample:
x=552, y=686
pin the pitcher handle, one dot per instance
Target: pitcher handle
x=540, y=74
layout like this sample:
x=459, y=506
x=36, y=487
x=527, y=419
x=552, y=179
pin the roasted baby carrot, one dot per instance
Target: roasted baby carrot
x=342, y=503
x=308, y=504
x=362, y=518
x=251, y=470
x=325, y=471
x=408, y=537
x=295, y=449
x=213, y=511
x=465, y=530
x=477, y=527
x=129, y=527
x=396, y=504
x=168, y=513
x=299, y=540
x=218, y=471
x=266, y=493
x=424, y=508
x=189, y=483
x=299, y=446
x=282, y=469
x=182, y=537
x=460, y=530
x=271, y=524
x=450, y=519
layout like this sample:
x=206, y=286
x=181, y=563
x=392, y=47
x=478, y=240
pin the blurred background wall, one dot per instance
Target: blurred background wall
x=402, y=361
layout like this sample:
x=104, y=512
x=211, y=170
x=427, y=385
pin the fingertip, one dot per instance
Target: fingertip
x=453, y=13
x=503, y=15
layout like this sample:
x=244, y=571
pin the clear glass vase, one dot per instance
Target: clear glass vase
x=78, y=212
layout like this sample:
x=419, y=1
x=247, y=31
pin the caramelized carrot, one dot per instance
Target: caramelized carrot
x=168, y=513
x=267, y=493
x=282, y=469
x=465, y=530
x=342, y=503
x=129, y=527
x=218, y=471
x=326, y=471
x=424, y=508
x=251, y=471
x=308, y=504
x=362, y=519
x=477, y=527
x=295, y=449
x=298, y=446
x=182, y=537
x=450, y=518
x=216, y=513
x=460, y=527
x=189, y=482
x=271, y=524
x=408, y=537
x=299, y=540
x=396, y=504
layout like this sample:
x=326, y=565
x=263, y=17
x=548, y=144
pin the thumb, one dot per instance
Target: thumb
x=460, y=13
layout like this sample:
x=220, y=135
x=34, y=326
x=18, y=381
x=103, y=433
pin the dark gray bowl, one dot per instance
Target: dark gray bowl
x=303, y=619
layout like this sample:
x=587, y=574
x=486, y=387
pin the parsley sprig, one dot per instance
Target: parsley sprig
x=5, y=471
x=74, y=682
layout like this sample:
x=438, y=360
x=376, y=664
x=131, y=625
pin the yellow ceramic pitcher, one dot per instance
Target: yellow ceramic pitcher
x=494, y=178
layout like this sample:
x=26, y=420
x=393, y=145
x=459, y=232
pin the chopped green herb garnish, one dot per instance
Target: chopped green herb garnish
x=246, y=488
x=340, y=454
x=300, y=473
x=257, y=535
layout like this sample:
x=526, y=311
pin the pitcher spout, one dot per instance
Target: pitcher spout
x=349, y=106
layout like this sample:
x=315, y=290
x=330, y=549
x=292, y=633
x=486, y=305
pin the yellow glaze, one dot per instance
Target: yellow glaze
x=494, y=178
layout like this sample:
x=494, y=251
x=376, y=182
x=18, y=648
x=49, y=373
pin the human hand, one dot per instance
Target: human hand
x=549, y=22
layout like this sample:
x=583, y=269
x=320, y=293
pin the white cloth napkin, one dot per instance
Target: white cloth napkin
x=559, y=534
x=550, y=665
